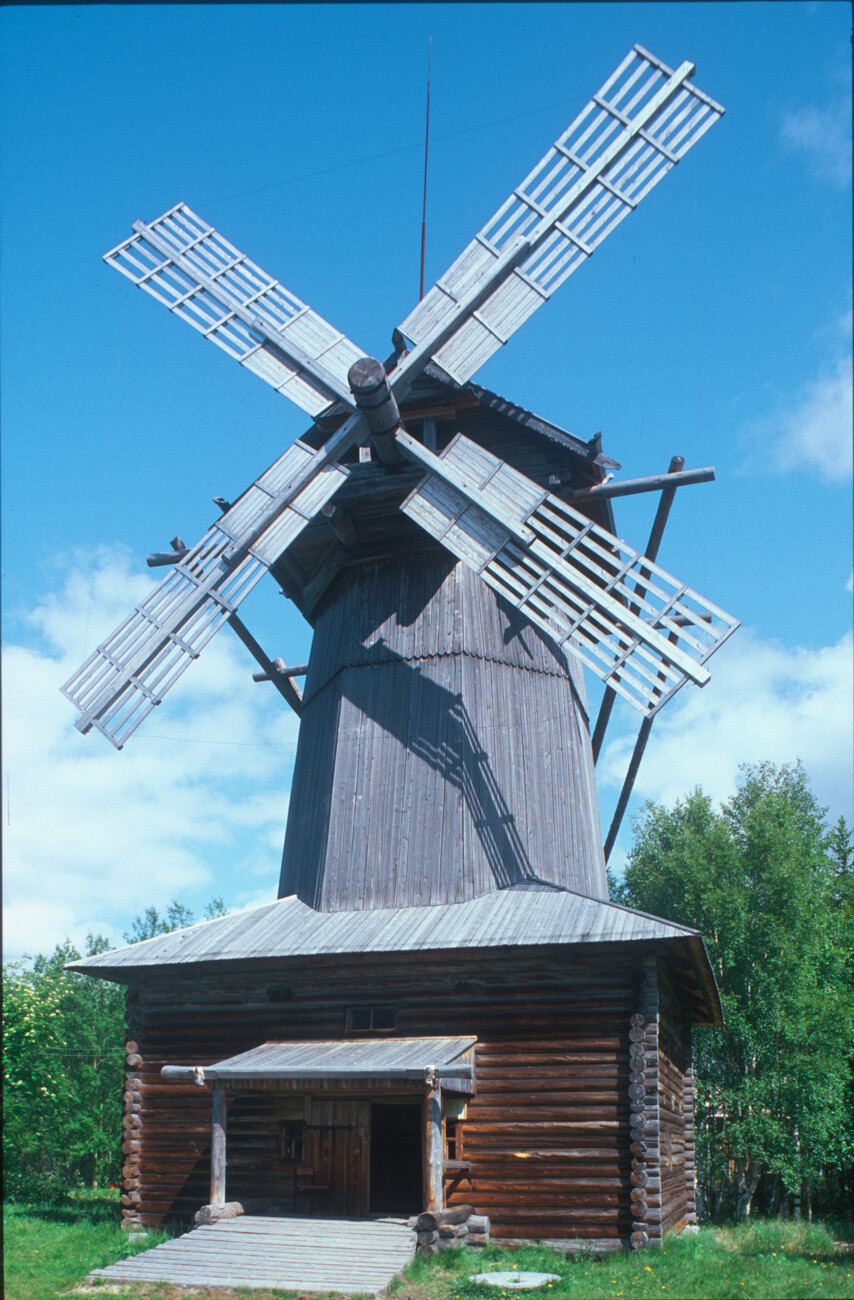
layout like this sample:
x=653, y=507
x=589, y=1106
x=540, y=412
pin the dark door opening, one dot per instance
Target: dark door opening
x=396, y=1170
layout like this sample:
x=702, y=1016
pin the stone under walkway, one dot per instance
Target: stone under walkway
x=347, y=1255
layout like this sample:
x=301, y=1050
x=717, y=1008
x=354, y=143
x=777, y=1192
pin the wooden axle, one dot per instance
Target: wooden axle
x=373, y=396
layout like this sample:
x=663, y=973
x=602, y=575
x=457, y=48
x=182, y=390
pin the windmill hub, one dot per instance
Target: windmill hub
x=373, y=396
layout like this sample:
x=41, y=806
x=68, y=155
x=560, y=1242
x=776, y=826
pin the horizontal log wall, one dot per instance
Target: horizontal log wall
x=547, y=1134
x=676, y=1111
x=644, y=1129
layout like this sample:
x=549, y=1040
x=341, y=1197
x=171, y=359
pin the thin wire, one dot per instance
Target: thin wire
x=202, y=740
x=376, y=157
x=426, y=148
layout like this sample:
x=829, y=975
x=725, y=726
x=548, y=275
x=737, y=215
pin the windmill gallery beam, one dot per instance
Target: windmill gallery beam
x=442, y=1008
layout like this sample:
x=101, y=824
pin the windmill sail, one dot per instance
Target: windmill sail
x=628, y=620
x=570, y=577
x=631, y=133
x=188, y=266
x=129, y=674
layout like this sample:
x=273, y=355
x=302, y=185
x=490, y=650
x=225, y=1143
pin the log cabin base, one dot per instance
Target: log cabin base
x=573, y=1126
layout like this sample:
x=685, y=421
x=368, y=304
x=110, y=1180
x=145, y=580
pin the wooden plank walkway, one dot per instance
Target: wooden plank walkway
x=345, y=1255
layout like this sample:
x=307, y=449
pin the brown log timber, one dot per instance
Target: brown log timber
x=546, y=1160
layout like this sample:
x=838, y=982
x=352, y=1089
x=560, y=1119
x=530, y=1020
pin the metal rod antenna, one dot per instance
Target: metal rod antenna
x=426, y=148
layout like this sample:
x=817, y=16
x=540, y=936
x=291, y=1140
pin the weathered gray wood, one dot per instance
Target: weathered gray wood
x=652, y=483
x=572, y=578
x=317, y=1255
x=161, y=558
x=433, y=1185
x=438, y=1216
x=416, y=711
x=281, y=680
x=375, y=399
x=299, y=670
x=218, y=1145
x=341, y=522
x=651, y=552
x=498, y=280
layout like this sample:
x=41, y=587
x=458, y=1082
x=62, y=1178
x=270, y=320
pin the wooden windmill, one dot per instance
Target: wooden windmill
x=456, y=557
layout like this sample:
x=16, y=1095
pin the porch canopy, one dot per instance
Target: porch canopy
x=449, y=1061
x=436, y=1063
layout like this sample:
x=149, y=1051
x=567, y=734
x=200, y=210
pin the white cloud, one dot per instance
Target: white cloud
x=193, y=807
x=814, y=428
x=823, y=136
x=817, y=433
x=764, y=702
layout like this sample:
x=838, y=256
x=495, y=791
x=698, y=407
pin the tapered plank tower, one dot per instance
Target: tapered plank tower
x=442, y=1007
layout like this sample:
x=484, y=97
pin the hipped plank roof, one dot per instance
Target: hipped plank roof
x=522, y=916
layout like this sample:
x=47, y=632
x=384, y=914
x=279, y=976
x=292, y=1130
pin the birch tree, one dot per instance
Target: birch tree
x=758, y=880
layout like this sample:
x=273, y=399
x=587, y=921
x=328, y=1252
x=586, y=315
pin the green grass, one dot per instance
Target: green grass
x=49, y=1252
x=770, y=1260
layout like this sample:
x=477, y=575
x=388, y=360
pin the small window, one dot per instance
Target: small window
x=290, y=1140
x=365, y=1020
x=453, y=1145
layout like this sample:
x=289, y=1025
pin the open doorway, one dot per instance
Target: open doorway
x=396, y=1161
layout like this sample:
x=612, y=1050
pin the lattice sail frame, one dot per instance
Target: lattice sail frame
x=129, y=674
x=640, y=123
x=635, y=626
x=188, y=266
x=632, y=132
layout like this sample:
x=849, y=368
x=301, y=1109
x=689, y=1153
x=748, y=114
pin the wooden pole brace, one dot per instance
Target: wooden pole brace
x=433, y=1153
x=632, y=486
x=651, y=552
x=631, y=776
x=218, y=1133
x=290, y=693
x=299, y=670
x=161, y=558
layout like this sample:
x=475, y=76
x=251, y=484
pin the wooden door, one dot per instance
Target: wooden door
x=337, y=1149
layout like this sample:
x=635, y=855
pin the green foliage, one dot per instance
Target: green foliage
x=151, y=923
x=45, y=1259
x=63, y=1062
x=62, y=1075
x=770, y=891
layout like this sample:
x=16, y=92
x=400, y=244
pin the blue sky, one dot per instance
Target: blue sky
x=714, y=323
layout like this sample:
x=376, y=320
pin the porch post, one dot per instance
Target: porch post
x=433, y=1187
x=218, y=1145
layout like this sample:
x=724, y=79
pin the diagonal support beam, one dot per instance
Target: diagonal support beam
x=651, y=552
x=283, y=684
